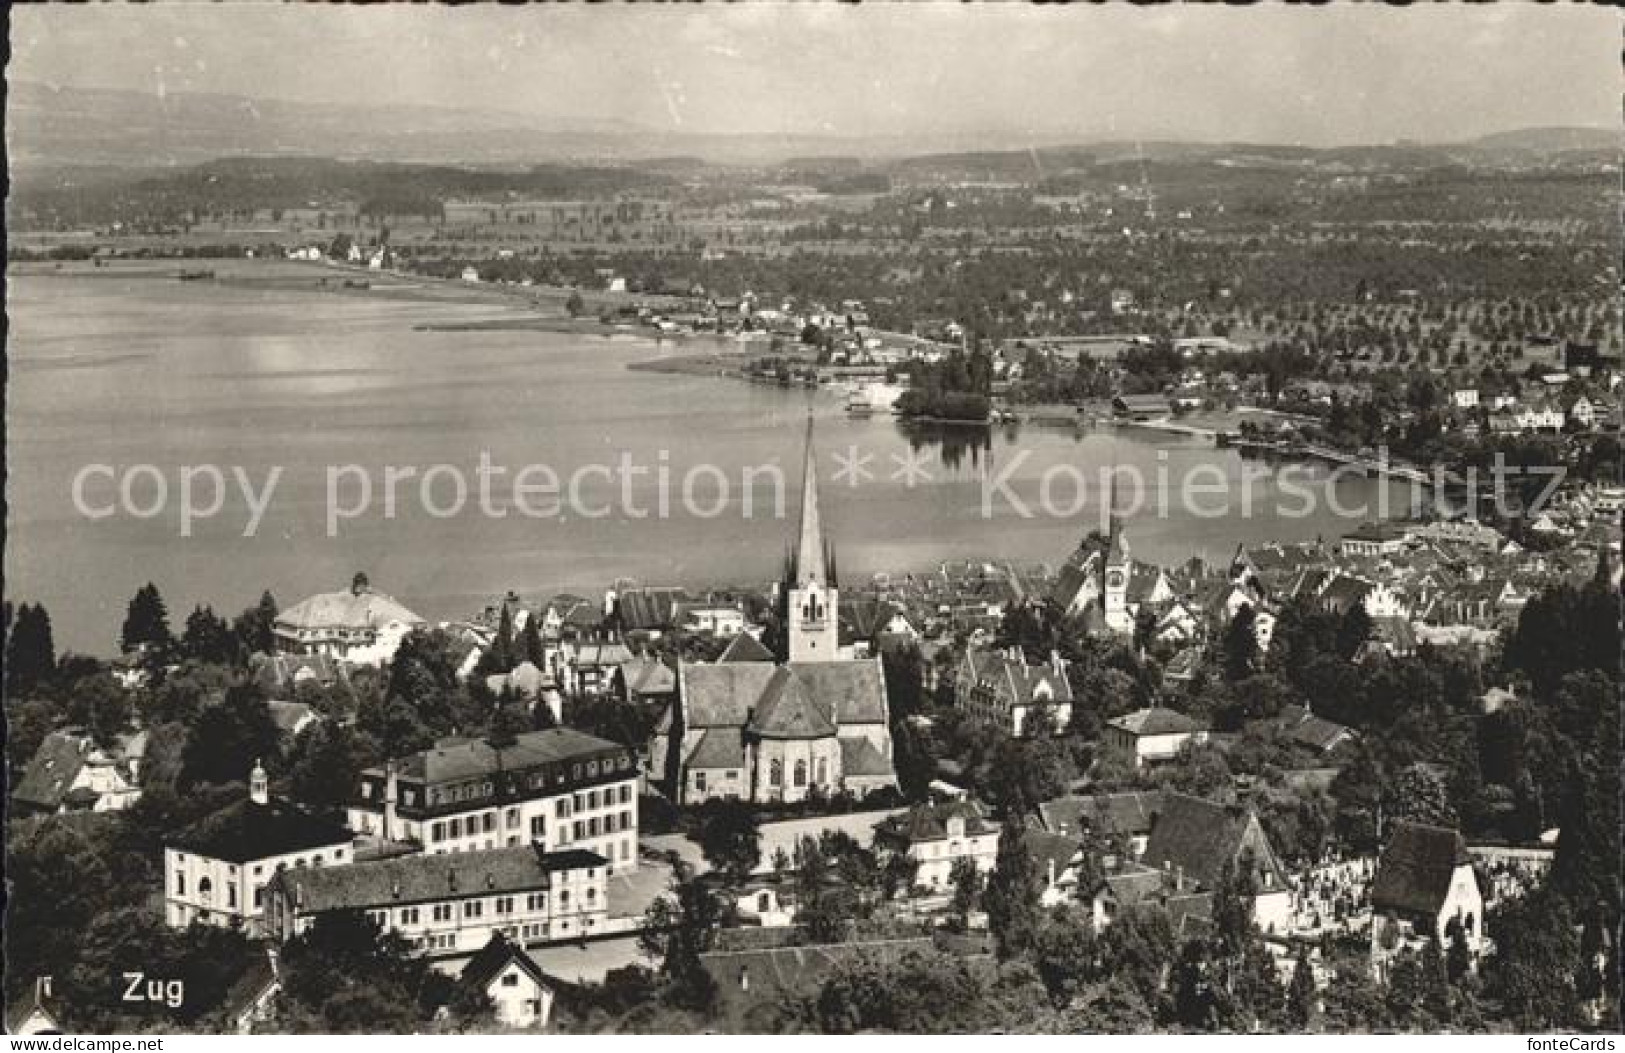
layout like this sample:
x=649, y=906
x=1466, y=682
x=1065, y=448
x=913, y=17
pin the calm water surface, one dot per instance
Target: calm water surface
x=148, y=370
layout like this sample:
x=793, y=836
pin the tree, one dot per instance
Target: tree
x=730, y=838
x=230, y=738
x=146, y=623
x=1300, y=995
x=677, y=929
x=1532, y=970
x=345, y=975
x=327, y=758
x=575, y=304
x=1241, y=644
x=255, y=628
x=30, y=652
x=827, y=917
x=1011, y=898
x=966, y=880
x=208, y=638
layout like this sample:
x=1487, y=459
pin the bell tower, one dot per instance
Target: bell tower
x=811, y=598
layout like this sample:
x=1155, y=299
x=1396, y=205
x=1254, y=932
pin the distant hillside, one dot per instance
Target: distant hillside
x=1550, y=140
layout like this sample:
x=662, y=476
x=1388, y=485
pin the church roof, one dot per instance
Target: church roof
x=746, y=648
x=861, y=760
x=788, y=711
x=810, y=564
x=717, y=748
x=1416, y=868
x=724, y=694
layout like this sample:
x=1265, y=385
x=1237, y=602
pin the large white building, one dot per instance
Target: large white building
x=560, y=787
x=448, y=906
x=358, y=625
x=217, y=869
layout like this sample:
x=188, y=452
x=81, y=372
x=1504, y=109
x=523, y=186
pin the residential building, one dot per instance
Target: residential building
x=70, y=773
x=559, y=787
x=521, y=994
x=1194, y=844
x=938, y=835
x=445, y=906
x=1123, y=819
x=216, y=871
x=1003, y=689
x=1154, y=734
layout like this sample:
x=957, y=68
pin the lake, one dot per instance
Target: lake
x=143, y=370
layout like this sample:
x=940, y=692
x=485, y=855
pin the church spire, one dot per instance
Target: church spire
x=810, y=562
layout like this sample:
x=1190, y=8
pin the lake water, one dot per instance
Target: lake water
x=125, y=371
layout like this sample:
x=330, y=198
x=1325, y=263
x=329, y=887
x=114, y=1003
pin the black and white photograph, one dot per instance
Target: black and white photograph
x=813, y=518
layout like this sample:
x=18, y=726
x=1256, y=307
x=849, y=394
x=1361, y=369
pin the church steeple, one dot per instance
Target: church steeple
x=811, y=562
x=811, y=599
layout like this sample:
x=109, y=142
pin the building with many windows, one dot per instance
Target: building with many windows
x=560, y=787
x=217, y=869
x=448, y=906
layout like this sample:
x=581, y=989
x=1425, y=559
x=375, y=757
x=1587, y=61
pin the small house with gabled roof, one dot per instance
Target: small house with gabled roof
x=1424, y=889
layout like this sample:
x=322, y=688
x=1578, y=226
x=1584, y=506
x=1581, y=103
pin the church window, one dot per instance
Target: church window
x=775, y=773
x=801, y=773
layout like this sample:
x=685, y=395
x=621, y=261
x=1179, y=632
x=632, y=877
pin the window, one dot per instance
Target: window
x=580, y=802
x=801, y=773
x=505, y=905
x=473, y=908
x=205, y=889
x=437, y=832
x=454, y=828
x=410, y=798
x=699, y=782
x=580, y=831
x=180, y=882
x=488, y=822
x=626, y=820
x=626, y=793
x=259, y=898
x=442, y=912
x=564, y=899
x=510, y=980
x=592, y=827
x=513, y=818
x=231, y=896
x=592, y=799
x=823, y=771
x=537, y=826
x=562, y=808
x=775, y=773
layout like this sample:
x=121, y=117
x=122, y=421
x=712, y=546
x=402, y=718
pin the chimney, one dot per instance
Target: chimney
x=395, y=890
x=744, y=978
x=42, y=988
x=490, y=881
x=1179, y=879
x=359, y=584
x=1051, y=868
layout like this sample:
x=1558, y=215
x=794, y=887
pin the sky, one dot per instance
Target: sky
x=1339, y=74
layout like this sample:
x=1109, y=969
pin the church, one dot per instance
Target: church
x=769, y=728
